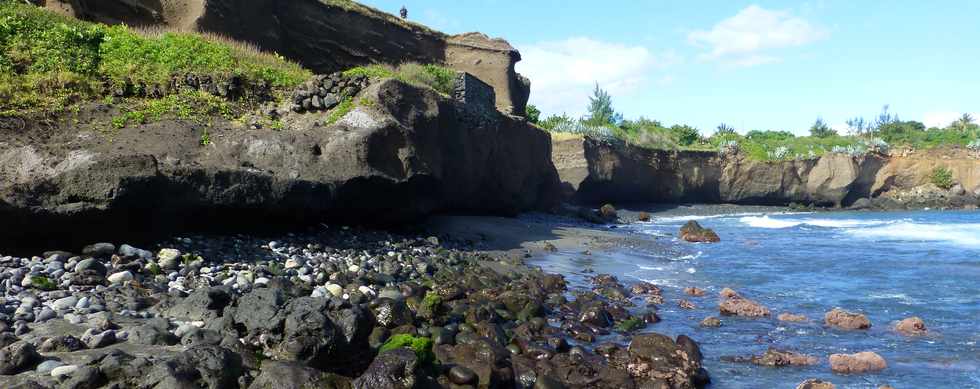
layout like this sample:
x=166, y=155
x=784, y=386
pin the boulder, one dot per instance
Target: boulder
x=846, y=320
x=394, y=369
x=207, y=366
x=693, y=232
x=736, y=305
x=657, y=357
x=776, y=358
x=308, y=333
x=813, y=383
x=790, y=317
x=18, y=358
x=862, y=362
x=292, y=375
x=911, y=326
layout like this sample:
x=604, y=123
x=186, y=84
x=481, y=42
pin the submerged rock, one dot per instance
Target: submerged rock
x=862, y=362
x=776, y=358
x=736, y=305
x=693, y=232
x=813, y=383
x=790, y=317
x=847, y=320
x=911, y=326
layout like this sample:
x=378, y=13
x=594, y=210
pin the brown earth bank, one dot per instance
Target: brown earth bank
x=594, y=172
x=323, y=35
x=404, y=152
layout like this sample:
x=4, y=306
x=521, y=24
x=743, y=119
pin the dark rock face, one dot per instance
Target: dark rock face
x=17, y=358
x=413, y=153
x=291, y=375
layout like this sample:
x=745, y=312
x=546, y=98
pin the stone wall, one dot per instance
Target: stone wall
x=324, y=36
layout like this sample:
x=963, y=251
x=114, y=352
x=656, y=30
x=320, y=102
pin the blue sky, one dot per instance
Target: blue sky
x=754, y=65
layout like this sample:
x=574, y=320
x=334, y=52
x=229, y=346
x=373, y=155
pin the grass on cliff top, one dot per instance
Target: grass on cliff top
x=354, y=6
x=49, y=62
x=433, y=76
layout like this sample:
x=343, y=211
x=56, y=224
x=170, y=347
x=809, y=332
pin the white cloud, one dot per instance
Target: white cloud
x=749, y=37
x=564, y=73
x=944, y=118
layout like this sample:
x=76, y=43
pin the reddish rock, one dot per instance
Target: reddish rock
x=786, y=316
x=693, y=232
x=862, y=362
x=711, y=322
x=777, y=358
x=847, y=320
x=696, y=292
x=685, y=304
x=655, y=299
x=736, y=305
x=728, y=293
x=911, y=326
x=643, y=216
x=815, y=384
x=607, y=212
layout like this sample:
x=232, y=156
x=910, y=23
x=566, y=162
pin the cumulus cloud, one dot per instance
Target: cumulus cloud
x=750, y=37
x=563, y=73
x=944, y=118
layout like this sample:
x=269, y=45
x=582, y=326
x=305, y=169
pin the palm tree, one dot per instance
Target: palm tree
x=963, y=122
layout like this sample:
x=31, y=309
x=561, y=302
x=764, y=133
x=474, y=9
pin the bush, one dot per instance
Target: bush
x=421, y=346
x=728, y=147
x=942, y=177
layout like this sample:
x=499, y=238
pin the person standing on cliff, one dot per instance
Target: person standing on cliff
x=404, y=12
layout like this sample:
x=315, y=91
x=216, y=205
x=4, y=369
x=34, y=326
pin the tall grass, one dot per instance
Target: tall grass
x=49, y=61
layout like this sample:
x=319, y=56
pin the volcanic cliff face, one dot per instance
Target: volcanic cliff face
x=410, y=153
x=593, y=172
x=323, y=35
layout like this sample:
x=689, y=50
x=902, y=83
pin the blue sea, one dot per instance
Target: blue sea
x=887, y=265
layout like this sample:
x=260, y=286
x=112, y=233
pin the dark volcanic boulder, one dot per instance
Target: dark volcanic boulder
x=18, y=358
x=411, y=153
x=693, y=232
x=291, y=375
x=207, y=366
x=658, y=358
x=394, y=369
x=308, y=333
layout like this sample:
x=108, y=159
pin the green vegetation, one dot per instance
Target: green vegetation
x=50, y=62
x=879, y=135
x=340, y=110
x=43, y=283
x=532, y=113
x=433, y=76
x=421, y=346
x=185, y=105
x=942, y=177
x=432, y=301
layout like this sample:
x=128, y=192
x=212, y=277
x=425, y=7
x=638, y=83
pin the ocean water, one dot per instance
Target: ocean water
x=887, y=265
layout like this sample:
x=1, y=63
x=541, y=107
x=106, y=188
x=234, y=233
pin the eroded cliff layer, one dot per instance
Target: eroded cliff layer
x=408, y=153
x=593, y=171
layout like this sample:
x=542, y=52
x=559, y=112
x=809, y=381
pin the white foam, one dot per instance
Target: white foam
x=681, y=219
x=959, y=234
x=767, y=222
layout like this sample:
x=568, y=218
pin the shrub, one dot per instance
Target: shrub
x=728, y=147
x=942, y=177
x=436, y=77
x=780, y=153
x=421, y=346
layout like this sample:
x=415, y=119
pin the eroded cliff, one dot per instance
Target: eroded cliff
x=593, y=171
